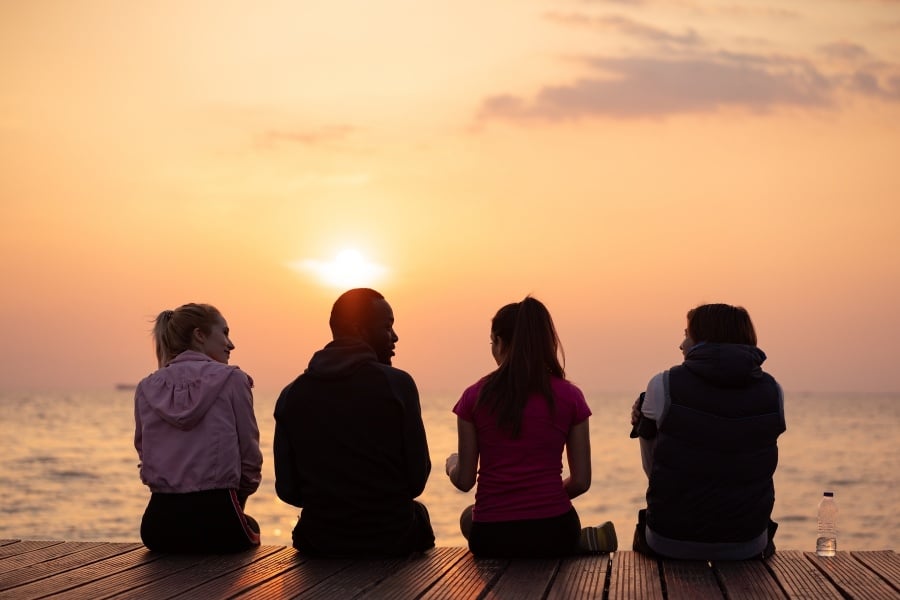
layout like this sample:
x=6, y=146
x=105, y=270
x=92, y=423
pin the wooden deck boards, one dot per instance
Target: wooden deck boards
x=96, y=570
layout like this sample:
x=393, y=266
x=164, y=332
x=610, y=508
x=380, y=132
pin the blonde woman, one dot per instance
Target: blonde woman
x=197, y=438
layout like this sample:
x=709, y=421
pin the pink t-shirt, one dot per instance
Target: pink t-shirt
x=522, y=478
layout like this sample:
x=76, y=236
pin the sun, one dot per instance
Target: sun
x=348, y=269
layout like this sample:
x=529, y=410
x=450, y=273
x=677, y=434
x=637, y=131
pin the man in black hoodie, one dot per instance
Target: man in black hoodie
x=350, y=445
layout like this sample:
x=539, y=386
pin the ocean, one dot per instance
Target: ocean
x=68, y=469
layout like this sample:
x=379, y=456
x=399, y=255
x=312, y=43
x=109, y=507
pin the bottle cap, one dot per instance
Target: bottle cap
x=829, y=494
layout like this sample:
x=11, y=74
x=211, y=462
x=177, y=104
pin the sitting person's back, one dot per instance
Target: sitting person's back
x=514, y=425
x=197, y=438
x=350, y=445
x=709, y=430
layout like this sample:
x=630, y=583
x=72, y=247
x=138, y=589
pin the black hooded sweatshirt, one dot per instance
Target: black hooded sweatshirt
x=350, y=449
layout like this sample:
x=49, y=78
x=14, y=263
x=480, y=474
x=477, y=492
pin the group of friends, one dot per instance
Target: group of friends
x=351, y=450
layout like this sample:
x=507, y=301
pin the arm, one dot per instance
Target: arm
x=647, y=449
x=287, y=481
x=418, y=460
x=652, y=411
x=464, y=468
x=578, y=453
x=247, y=434
x=138, y=431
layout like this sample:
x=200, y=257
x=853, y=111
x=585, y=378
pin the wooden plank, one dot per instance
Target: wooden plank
x=294, y=582
x=747, y=579
x=886, y=563
x=417, y=575
x=524, y=578
x=799, y=578
x=56, y=567
x=634, y=576
x=172, y=583
x=690, y=580
x=852, y=577
x=467, y=579
x=131, y=579
x=26, y=559
x=15, y=548
x=581, y=577
x=355, y=580
x=234, y=582
x=61, y=570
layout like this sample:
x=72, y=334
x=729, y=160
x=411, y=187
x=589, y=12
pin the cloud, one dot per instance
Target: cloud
x=681, y=73
x=630, y=27
x=714, y=8
x=869, y=84
x=651, y=86
x=846, y=51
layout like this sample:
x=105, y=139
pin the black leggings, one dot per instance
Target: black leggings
x=528, y=538
x=211, y=521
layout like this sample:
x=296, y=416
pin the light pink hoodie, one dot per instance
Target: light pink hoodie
x=195, y=428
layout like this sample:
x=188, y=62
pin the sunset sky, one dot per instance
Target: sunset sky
x=621, y=160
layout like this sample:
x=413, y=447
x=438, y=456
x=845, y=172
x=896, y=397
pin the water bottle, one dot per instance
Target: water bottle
x=826, y=542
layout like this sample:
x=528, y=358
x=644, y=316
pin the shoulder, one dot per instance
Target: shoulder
x=466, y=404
x=399, y=381
x=394, y=374
x=656, y=398
x=475, y=388
x=658, y=381
x=215, y=369
x=239, y=376
x=566, y=393
x=565, y=388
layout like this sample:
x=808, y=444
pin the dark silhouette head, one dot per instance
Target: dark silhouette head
x=720, y=323
x=364, y=314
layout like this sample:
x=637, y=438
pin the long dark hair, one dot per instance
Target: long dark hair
x=532, y=358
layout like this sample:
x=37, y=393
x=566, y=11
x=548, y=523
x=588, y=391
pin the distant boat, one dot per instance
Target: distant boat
x=126, y=386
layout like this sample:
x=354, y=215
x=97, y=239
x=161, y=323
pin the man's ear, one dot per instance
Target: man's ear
x=359, y=329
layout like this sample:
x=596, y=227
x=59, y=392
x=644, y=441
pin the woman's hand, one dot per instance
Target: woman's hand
x=451, y=464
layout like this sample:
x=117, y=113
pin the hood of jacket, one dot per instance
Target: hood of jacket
x=340, y=358
x=185, y=389
x=726, y=365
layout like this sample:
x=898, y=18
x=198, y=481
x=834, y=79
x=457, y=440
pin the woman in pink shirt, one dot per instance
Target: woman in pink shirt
x=513, y=426
x=197, y=438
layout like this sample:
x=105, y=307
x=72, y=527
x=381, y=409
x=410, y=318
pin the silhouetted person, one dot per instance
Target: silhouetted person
x=708, y=431
x=350, y=445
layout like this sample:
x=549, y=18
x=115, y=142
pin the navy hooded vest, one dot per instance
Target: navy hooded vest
x=716, y=450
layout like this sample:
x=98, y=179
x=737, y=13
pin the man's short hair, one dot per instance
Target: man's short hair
x=352, y=309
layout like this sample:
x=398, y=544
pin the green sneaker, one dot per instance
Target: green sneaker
x=599, y=539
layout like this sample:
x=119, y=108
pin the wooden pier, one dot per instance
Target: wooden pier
x=95, y=570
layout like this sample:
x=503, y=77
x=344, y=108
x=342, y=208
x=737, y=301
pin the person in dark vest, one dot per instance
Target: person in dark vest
x=350, y=446
x=708, y=432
